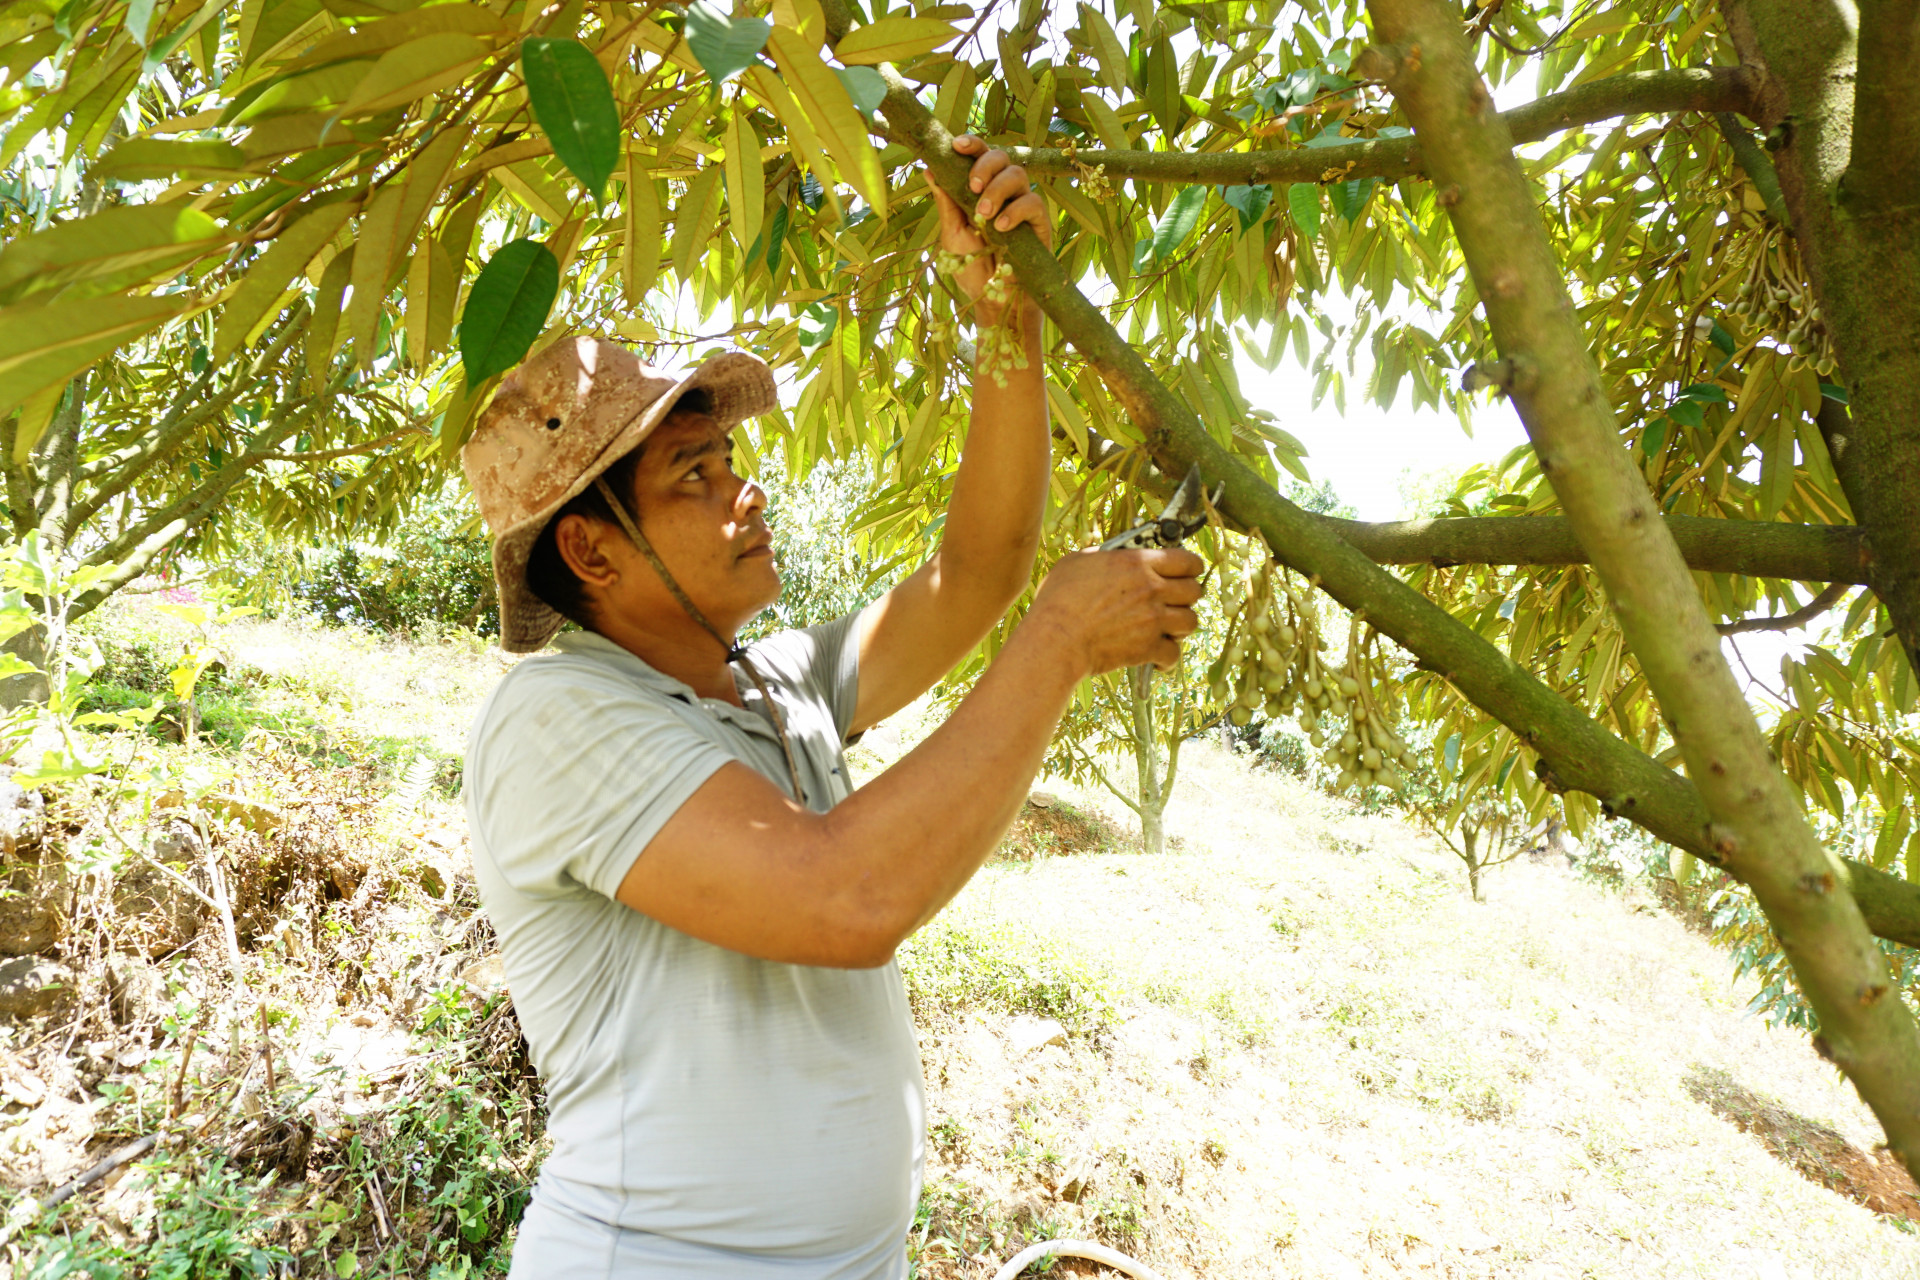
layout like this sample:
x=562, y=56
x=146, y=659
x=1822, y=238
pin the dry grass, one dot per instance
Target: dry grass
x=1318, y=1058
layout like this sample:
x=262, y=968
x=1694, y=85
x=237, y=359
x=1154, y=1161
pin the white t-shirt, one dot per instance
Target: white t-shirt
x=711, y=1114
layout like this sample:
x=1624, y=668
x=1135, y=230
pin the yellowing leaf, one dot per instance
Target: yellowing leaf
x=691, y=224
x=803, y=16
x=1107, y=49
x=371, y=39
x=373, y=256
x=43, y=346
x=806, y=143
x=536, y=190
x=36, y=412
x=746, y=182
x=826, y=104
x=414, y=70
x=893, y=39
x=641, y=205
x=267, y=279
x=323, y=332
x=426, y=178
x=146, y=239
x=431, y=284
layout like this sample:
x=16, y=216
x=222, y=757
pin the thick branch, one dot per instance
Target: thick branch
x=1580, y=754
x=1755, y=163
x=1788, y=621
x=1759, y=827
x=1796, y=552
x=1632, y=94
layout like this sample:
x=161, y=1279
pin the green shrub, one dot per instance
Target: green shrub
x=434, y=571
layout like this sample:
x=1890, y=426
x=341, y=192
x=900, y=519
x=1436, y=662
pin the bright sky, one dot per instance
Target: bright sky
x=1370, y=454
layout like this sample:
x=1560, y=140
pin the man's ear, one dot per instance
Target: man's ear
x=583, y=544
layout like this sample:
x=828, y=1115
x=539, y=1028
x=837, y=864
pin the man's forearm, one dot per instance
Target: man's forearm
x=999, y=493
x=921, y=829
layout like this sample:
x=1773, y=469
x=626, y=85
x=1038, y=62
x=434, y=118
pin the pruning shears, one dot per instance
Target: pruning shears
x=1183, y=518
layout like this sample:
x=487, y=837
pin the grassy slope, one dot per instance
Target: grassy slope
x=1305, y=1051
x=1294, y=1047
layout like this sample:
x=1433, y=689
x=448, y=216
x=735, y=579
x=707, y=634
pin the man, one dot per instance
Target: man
x=698, y=915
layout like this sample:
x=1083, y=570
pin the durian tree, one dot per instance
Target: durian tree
x=1690, y=256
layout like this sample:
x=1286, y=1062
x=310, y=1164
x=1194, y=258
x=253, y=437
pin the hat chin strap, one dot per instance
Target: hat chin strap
x=736, y=652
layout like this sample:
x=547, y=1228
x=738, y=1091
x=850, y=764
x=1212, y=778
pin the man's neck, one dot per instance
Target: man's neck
x=688, y=654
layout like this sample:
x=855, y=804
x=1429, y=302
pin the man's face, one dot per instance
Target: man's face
x=705, y=522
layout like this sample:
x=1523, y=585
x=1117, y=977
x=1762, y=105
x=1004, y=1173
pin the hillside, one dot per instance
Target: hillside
x=1292, y=1046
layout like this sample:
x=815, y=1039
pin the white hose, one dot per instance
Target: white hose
x=1076, y=1249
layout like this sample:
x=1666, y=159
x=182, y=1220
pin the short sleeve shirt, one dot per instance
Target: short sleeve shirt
x=765, y=1117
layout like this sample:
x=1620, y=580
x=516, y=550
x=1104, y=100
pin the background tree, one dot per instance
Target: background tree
x=1722, y=412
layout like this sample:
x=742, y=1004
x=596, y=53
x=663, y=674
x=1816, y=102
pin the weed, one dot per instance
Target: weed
x=949, y=966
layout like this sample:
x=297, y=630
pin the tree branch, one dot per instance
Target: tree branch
x=137, y=546
x=1581, y=755
x=1788, y=621
x=1760, y=549
x=1756, y=164
x=1635, y=93
x=1759, y=827
x=124, y=467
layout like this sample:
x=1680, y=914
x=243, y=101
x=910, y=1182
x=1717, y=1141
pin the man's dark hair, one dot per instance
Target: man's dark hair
x=548, y=575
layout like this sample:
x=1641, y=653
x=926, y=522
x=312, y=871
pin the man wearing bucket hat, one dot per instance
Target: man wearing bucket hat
x=697, y=913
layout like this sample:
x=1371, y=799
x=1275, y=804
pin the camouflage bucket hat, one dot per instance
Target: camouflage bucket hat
x=557, y=422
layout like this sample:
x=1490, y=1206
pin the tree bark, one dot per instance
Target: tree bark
x=1845, y=120
x=1759, y=829
x=1797, y=552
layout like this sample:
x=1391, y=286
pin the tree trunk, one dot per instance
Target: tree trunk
x=1146, y=762
x=29, y=687
x=1469, y=839
x=1844, y=117
x=1759, y=826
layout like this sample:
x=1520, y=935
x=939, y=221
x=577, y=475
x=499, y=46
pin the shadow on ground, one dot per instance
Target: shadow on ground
x=1814, y=1150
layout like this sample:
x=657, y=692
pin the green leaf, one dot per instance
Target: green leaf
x=724, y=46
x=1688, y=413
x=139, y=18
x=1654, y=436
x=1182, y=216
x=1303, y=202
x=507, y=308
x=1834, y=391
x=573, y=101
x=1249, y=202
x=864, y=86
x=816, y=324
x=1349, y=199
x=1705, y=392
